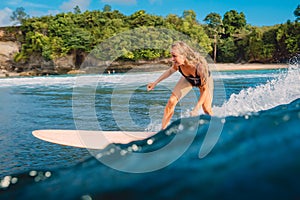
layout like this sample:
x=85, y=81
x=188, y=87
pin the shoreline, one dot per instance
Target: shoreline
x=214, y=67
x=247, y=66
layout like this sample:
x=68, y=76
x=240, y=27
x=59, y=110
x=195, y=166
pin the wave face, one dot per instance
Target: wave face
x=255, y=157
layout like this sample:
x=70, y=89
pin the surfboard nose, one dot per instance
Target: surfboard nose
x=90, y=139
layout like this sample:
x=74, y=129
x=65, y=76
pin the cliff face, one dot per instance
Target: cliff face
x=36, y=65
x=8, y=50
x=9, y=46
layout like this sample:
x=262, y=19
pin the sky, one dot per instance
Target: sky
x=257, y=12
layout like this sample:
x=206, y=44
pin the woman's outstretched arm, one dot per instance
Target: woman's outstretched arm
x=164, y=75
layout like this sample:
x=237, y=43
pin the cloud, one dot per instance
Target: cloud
x=123, y=2
x=34, y=5
x=155, y=1
x=69, y=5
x=14, y=2
x=5, y=17
x=20, y=3
x=42, y=13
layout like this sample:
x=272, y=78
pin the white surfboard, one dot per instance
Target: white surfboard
x=90, y=139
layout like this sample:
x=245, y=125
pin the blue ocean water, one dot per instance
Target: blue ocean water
x=248, y=150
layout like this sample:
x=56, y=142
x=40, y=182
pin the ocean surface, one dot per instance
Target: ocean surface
x=249, y=149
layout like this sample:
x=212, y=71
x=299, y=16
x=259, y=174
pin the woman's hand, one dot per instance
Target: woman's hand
x=165, y=75
x=151, y=86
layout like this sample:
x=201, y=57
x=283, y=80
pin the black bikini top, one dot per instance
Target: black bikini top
x=194, y=81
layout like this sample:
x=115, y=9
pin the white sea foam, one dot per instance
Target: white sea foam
x=36, y=81
x=281, y=90
x=118, y=79
x=88, y=80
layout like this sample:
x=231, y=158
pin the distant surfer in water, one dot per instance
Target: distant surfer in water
x=195, y=73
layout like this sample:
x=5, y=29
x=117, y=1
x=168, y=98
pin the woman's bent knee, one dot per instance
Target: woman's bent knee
x=173, y=100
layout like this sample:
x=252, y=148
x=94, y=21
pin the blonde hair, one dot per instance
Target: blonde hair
x=193, y=58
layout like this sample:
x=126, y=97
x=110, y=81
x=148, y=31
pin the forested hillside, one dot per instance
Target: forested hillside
x=226, y=38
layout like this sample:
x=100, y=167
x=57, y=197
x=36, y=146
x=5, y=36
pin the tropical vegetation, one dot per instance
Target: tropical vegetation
x=226, y=39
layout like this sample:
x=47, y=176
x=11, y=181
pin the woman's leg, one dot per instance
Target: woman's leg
x=179, y=91
x=208, y=101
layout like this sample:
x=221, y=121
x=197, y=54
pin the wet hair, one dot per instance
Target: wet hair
x=193, y=58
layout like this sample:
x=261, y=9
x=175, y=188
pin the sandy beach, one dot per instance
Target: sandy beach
x=254, y=66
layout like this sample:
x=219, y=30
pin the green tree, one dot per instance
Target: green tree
x=107, y=8
x=233, y=22
x=255, y=45
x=189, y=15
x=192, y=28
x=235, y=31
x=19, y=15
x=141, y=18
x=269, y=44
x=227, y=50
x=172, y=21
x=77, y=10
x=214, y=29
x=288, y=40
